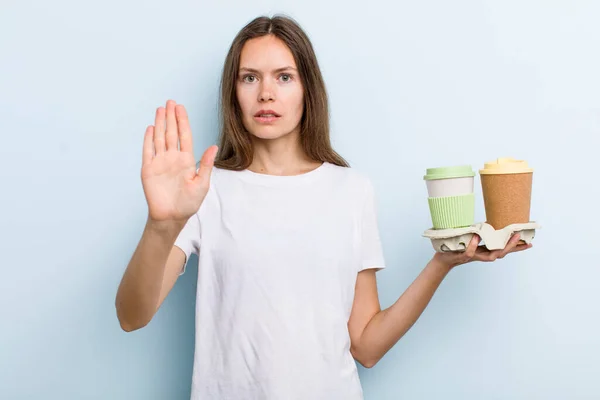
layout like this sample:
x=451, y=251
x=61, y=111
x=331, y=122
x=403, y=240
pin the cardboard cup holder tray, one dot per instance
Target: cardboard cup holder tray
x=446, y=240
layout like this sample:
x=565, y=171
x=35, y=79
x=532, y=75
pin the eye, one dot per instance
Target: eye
x=286, y=77
x=249, y=78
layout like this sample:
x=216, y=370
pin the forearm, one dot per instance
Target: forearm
x=387, y=326
x=139, y=291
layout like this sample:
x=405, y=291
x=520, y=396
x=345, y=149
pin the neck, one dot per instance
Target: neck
x=282, y=156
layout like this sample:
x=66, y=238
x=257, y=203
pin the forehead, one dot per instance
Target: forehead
x=266, y=53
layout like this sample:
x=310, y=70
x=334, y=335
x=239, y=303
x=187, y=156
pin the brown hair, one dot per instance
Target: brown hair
x=235, y=149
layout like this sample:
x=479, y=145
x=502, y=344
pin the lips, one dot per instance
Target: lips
x=266, y=117
x=267, y=114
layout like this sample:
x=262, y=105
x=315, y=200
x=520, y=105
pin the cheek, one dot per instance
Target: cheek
x=297, y=103
x=244, y=97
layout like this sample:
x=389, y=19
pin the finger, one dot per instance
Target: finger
x=514, y=240
x=148, y=148
x=171, y=133
x=470, y=251
x=522, y=247
x=487, y=255
x=493, y=255
x=206, y=163
x=183, y=126
x=159, y=131
x=472, y=247
x=511, y=245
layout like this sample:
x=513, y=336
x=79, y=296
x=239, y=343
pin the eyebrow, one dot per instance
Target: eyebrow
x=275, y=71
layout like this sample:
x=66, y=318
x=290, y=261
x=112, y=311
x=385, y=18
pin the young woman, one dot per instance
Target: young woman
x=285, y=232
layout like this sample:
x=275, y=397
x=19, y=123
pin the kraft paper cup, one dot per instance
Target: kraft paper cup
x=451, y=198
x=506, y=184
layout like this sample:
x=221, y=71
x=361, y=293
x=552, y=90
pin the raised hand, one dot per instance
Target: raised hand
x=174, y=190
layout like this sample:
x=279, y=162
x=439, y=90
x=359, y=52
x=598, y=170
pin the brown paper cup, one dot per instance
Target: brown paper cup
x=507, y=199
x=507, y=193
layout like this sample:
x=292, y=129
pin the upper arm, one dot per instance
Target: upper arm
x=174, y=266
x=365, y=306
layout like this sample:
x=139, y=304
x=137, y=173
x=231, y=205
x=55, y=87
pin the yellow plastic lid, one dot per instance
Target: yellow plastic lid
x=506, y=165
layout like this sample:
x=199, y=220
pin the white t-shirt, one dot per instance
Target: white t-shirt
x=278, y=258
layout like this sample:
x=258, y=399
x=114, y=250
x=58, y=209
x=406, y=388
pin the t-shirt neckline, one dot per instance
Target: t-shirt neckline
x=267, y=179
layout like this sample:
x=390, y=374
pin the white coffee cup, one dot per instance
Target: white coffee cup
x=450, y=187
x=450, y=181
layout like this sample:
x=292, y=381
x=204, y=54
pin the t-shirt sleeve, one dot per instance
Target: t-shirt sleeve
x=188, y=239
x=371, y=248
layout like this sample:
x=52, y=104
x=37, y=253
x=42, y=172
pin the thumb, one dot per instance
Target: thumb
x=206, y=165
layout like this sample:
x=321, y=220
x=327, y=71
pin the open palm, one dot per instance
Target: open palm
x=174, y=189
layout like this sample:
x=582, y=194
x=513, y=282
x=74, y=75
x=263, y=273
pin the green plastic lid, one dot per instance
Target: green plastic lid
x=459, y=171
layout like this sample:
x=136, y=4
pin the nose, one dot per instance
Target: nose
x=266, y=92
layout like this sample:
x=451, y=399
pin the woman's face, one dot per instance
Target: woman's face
x=268, y=88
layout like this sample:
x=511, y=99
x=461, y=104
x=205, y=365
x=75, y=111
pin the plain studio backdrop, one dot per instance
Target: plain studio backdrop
x=412, y=85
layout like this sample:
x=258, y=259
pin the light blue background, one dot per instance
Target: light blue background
x=412, y=85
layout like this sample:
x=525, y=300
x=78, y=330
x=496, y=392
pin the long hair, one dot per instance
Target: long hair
x=235, y=148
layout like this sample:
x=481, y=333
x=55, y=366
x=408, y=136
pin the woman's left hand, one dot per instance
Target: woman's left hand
x=474, y=252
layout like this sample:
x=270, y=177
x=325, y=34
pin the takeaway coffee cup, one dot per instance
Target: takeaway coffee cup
x=451, y=198
x=506, y=184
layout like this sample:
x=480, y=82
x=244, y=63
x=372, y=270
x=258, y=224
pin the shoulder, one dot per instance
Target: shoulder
x=353, y=178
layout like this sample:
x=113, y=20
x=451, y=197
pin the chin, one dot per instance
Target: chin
x=270, y=132
x=268, y=135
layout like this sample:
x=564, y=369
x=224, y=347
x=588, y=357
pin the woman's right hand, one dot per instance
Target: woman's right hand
x=173, y=189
